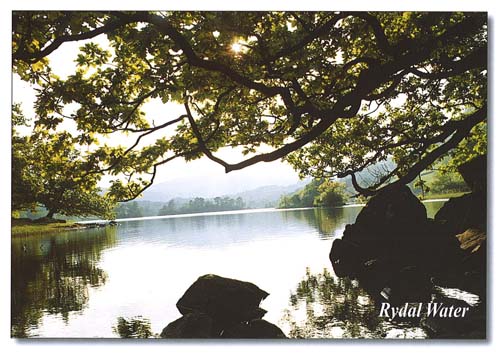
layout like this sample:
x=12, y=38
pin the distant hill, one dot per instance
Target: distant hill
x=263, y=196
x=229, y=184
x=267, y=196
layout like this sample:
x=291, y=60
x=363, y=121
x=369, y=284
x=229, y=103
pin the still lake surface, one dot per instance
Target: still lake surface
x=77, y=284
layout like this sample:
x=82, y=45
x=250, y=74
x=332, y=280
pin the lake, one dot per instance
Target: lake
x=80, y=283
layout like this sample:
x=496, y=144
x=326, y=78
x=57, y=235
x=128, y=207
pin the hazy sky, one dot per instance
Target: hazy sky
x=62, y=63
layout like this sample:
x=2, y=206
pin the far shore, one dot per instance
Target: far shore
x=25, y=226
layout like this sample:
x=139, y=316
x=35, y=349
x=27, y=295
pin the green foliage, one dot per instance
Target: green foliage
x=472, y=146
x=421, y=185
x=332, y=93
x=318, y=192
x=48, y=170
x=200, y=204
x=447, y=182
x=331, y=194
x=133, y=209
x=168, y=209
x=129, y=210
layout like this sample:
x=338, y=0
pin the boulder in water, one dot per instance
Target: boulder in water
x=254, y=329
x=225, y=300
x=191, y=325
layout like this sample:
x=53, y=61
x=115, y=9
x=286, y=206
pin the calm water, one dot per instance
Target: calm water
x=89, y=283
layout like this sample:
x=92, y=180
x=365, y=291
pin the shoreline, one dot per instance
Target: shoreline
x=27, y=227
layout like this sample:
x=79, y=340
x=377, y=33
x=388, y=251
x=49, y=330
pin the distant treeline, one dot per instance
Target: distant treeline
x=323, y=193
x=199, y=204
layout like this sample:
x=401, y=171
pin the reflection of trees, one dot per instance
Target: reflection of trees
x=325, y=220
x=134, y=327
x=334, y=307
x=52, y=275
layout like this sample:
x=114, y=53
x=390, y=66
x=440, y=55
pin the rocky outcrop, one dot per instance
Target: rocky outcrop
x=398, y=254
x=219, y=307
x=390, y=233
x=461, y=213
x=474, y=327
x=225, y=300
x=256, y=328
x=191, y=325
x=474, y=173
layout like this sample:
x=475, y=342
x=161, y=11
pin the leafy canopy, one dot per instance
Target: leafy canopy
x=48, y=170
x=332, y=93
x=318, y=192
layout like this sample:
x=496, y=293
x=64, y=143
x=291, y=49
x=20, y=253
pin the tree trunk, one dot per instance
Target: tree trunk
x=422, y=186
x=50, y=215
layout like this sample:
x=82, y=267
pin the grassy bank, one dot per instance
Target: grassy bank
x=26, y=226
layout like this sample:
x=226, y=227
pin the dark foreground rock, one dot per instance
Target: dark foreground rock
x=399, y=255
x=464, y=212
x=191, y=325
x=472, y=327
x=257, y=328
x=393, y=246
x=226, y=300
x=219, y=307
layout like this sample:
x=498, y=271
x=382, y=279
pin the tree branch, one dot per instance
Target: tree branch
x=201, y=143
x=462, y=130
x=476, y=60
x=57, y=42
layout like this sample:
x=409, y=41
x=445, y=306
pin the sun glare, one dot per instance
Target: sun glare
x=237, y=48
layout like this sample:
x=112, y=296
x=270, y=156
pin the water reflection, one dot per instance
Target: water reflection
x=433, y=207
x=152, y=262
x=52, y=275
x=325, y=306
x=329, y=222
x=134, y=327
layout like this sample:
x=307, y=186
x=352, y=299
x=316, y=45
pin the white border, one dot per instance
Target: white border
x=12, y=345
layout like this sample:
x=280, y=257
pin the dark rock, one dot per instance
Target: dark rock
x=434, y=250
x=225, y=300
x=191, y=325
x=392, y=212
x=461, y=213
x=472, y=326
x=254, y=329
x=375, y=274
x=410, y=284
x=345, y=257
x=474, y=173
x=470, y=281
x=390, y=227
x=470, y=273
x=218, y=307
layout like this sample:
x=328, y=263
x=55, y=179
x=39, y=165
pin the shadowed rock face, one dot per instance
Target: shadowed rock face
x=475, y=173
x=394, y=212
x=394, y=245
x=257, y=328
x=461, y=213
x=224, y=299
x=191, y=325
x=219, y=307
x=392, y=227
x=399, y=255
